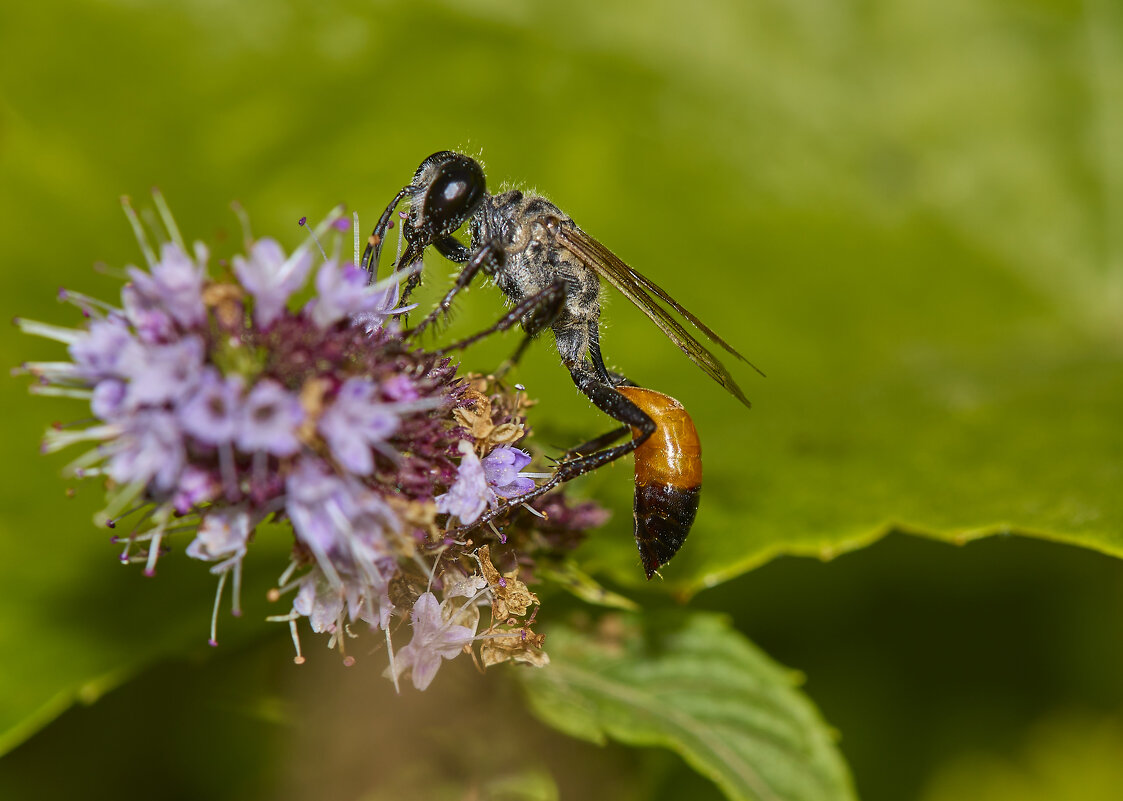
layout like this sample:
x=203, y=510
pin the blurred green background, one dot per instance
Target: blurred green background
x=909, y=214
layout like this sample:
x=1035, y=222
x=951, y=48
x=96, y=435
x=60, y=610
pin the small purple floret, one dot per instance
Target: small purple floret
x=502, y=467
x=108, y=401
x=212, y=412
x=399, y=388
x=270, y=278
x=434, y=639
x=221, y=535
x=196, y=486
x=469, y=494
x=269, y=419
x=149, y=449
x=102, y=350
x=354, y=421
x=162, y=373
x=171, y=293
x=343, y=291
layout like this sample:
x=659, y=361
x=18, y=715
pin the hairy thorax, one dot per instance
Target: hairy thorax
x=534, y=260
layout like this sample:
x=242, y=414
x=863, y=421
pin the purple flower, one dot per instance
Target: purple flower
x=173, y=291
x=338, y=518
x=481, y=484
x=162, y=373
x=101, y=351
x=221, y=535
x=502, y=466
x=319, y=601
x=344, y=291
x=108, y=401
x=399, y=388
x=434, y=638
x=149, y=450
x=148, y=317
x=196, y=486
x=210, y=421
x=469, y=494
x=309, y=489
x=324, y=600
x=354, y=422
x=269, y=419
x=211, y=413
x=271, y=278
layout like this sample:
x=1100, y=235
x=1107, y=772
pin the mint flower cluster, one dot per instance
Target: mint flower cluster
x=217, y=405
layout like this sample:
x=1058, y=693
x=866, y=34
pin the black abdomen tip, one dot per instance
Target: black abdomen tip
x=664, y=515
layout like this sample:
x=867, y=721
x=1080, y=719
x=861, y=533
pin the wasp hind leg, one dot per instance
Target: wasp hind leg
x=659, y=530
x=663, y=512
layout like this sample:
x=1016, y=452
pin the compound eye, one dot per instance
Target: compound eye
x=455, y=193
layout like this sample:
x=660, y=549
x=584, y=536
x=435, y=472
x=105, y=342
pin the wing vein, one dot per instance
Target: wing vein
x=636, y=287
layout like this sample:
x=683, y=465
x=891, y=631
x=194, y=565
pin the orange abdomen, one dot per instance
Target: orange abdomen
x=668, y=477
x=673, y=454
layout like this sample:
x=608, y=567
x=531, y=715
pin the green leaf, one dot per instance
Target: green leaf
x=910, y=219
x=692, y=684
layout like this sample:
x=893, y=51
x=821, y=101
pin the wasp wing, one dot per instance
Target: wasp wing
x=636, y=288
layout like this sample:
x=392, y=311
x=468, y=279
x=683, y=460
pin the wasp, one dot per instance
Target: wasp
x=550, y=270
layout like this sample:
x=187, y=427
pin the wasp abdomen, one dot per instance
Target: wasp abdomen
x=668, y=478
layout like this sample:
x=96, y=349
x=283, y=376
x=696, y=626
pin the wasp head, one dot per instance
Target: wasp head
x=447, y=189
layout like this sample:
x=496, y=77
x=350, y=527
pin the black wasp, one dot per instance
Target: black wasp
x=550, y=270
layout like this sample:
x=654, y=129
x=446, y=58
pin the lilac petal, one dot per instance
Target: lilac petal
x=269, y=420
x=310, y=488
x=220, y=536
x=270, y=278
x=101, y=351
x=212, y=412
x=502, y=468
x=180, y=285
x=425, y=667
x=151, y=450
x=163, y=373
x=520, y=486
x=354, y=422
x=195, y=486
x=400, y=388
x=503, y=464
x=352, y=452
x=345, y=291
x=152, y=323
x=426, y=612
x=108, y=401
x=321, y=603
x=469, y=495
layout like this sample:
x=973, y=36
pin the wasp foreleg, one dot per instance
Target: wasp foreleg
x=487, y=258
x=373, y=250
